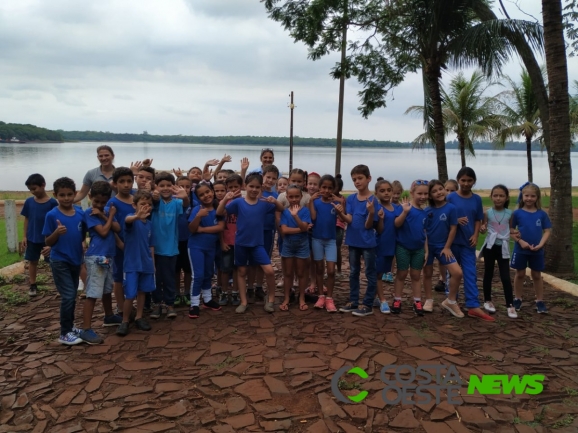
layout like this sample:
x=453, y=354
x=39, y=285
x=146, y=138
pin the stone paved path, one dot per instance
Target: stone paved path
x=258, y=372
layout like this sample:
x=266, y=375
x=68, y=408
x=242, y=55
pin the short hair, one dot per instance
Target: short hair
x=120, y=172
x=271, y=169
x=234, y=178
x=35, y=179
x=183, y=178
x=148, y=169
x=100, y=187
x=105, y=147
x=254, y=176
x=467, y=171
x=164, y=175
x=327, y=178
x=361, y=169
x=505, y=189
x=63, y=182
x=219, y=182
x=141, y=194
x=430, y=186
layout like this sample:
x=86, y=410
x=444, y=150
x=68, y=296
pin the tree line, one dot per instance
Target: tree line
x=28, y=132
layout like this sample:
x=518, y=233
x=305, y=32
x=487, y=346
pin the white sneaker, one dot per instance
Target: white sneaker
x=428, y=306
x=80, y=286
x=512, y=313
x=280, y=284
x=489, y=307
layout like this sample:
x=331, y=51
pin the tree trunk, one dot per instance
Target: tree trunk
x=529, y=155
x=559, y=252
x=462, y=145
x=433, y=75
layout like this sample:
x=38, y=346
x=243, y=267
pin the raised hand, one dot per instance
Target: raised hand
x=143, y=211
x=381, y=214
x=269, y=199
x=147, y=162
x=245, y=163
x=179, y=192
x=226, y=158
x=315, y=196
x=207, y=175
x=231, y=195
x=147, y=186
x=212, y=162
x=369, y=205
x=60, y=229
x=96, y=212
x=406, y=204
x=338, y=208
x=203, y=212
x=295, y=209
x=178, y=172
x=112, y=210
x=337, y=199
x=135, y=166
x=156, y=195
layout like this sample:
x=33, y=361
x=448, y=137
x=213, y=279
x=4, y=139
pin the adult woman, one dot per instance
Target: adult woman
x=267, y=158
x=104, y=172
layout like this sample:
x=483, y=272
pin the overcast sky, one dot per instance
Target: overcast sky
x=191, y=67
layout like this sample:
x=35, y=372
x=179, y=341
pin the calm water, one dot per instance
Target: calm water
x=74, y=159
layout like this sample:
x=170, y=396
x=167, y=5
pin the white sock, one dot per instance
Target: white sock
x=452, y=302
x=207, y=295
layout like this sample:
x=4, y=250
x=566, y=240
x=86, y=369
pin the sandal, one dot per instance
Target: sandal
x=303, y=307
x=284, y=307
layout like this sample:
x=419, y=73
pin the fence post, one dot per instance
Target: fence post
x=84, y=203
x=11, y=225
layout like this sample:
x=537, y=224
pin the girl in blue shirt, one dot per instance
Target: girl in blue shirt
x=533, y=230
x=205, y=227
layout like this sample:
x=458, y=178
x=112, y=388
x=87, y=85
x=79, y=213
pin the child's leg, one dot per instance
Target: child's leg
x=468, y=264
x=330, y=278
x=209, y=255
x=427, y=284
x=127, y=308
x=489, y=258
x=442, y=270
x=188, y=281
x=288, y=270
x=160, y=288
x=319, y=271
x=402, y=256
x=168, y=264
x=117, y=270
x=251, y=276
x=140, y=300
x=354, y=271
x=519, y=282
x=504, y=268
x=270, y=278
x=66, y=278
x=107, y=304
x=380, y=292
x=339, y=242
x=88, y=309
x=415, y=275
x=32, y=271
x=538, y=284
x=302, y=271
x=259, y=277
x=199, y=266
x=371, y=275
x=241, y=276
x=456, y=277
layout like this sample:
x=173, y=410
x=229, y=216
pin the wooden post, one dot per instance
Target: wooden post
x=292, y=107
x=11, y=225
x=84, y=203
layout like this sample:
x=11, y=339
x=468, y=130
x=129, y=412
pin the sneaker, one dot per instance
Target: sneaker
x=112, y=320
x=33, y=291
x=194, y=312
x=518, y=304
x=418, y=308
x=452, y=308
x=489, y=307
x=76, y=331
x=143, y=324
x=480, y=315
x=178, y=301
x=235, y=299
x=269, y=307
x=241, y=309
x=440, y=286
x=223, y=299
x=91, y=337
x=171, y=313
x=80, y=286
x=389, y=277
x=212, y=305
x=330, y=305
x=157, y=312
x=384, y=307
x=122, y=329
x=280, y=284
x=541, y=307
x=187, y=300
x=396, y=307
x=147, y=309
x=428, y=306
x=362, y=311
x=348, y=308
x=512, y=313
x=376, y=303
x=320, y=302
x=70, y=339
x=259, y=293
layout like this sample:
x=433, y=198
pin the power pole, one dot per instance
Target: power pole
x=291, y=106
x=341, y=95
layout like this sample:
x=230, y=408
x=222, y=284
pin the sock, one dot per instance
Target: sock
x=195, y=300
x=538, y=300
x=429, y=299
x=396, y=298
x=327, y=297
x=452, y=302
x=416, y=299
x=207, y=295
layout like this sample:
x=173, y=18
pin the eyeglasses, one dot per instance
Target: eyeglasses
x=267, y=149
x=421, y=182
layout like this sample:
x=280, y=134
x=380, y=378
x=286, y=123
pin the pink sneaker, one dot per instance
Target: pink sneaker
x=330, y=306
x=320, y=302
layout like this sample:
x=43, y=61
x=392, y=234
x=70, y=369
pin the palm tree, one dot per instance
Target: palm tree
x=521, y=115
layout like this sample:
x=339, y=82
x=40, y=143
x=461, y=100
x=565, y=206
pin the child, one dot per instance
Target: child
x=196, y=176
x=361, y=215
x=534, y=227
x=324, y=239
x=234, y=183
x=65, y=233
x=165, y=226
x=312, y=188
x=442, y=285
x=470, y=215
x=396, y=193
x=340, y=225
x=145, y=178
x=221, y=174
x=282, y=184
x=34, y=213
x=219, y=189
x=411, y=248
x=183, y=263
x=496, y=247
x=295, y=255
x=441, y=225
x=139, y=277
x=205, y=227
x=98, y=259
x=386, y=240
x=249, y=250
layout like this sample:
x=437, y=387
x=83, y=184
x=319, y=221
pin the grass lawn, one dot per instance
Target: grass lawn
x=5, y=257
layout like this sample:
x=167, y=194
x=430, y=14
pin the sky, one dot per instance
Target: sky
x=191, y=67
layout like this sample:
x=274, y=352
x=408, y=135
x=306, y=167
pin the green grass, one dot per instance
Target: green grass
x=14, y=195
x=7, y=258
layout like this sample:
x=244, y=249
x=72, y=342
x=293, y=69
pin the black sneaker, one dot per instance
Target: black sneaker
x=33, y=291
x=157, y=312
x=142, y=324
x=418, y=308
x=122, y=329
x=194, y=312
x=212, y=305
x=259, y=293
x=396, y=306
x=440, y=287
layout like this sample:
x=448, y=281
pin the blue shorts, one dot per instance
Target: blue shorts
x=436, y=253
x=98, y=278
x=293, y=247
x=325, y=248
x=138, y=282
x=383, y=264
x=251, y=256
x=268, y=241
x=118, y=266
x=34, y=251
x=533, y=261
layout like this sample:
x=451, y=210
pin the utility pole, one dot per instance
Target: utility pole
x=341, y=95
x=291, y=106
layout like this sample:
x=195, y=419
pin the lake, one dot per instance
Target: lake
x=54, y=160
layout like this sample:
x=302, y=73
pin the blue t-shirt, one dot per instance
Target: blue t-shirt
x=357, y=235
x=270, y=216
x=250, y=220
x=122, y=211
x=324, y=224
x=411, y=235
x=204, y=240
x=288, y=220
x=470, y=207
x=165, y=219
x=531, y=226
x=184, y=231
x=99, y=246
x=36, y=214
x=138, y=240
x=68, y=247
x=386, y=240
x=438, y=223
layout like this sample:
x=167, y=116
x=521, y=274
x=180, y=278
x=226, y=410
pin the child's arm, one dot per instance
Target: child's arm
x=221, y=211
x=153, y=257
x=474, y=238
x=370, y=206
x=244, y=168
x=447, y=247
x=426, y=250
x=341, y=210
x=484, y=226
x=545, y=235
x=59, y=231
x=278, y=206
x=381, y=215
x=226, y=158
x=24, y=240
x=207, y=173
x=212, y=229
x=311, y=206
x=103, y=230
x=406, y=207
x=302, y=225
x=196, y=221
x=119, y=243
x=286, y=230
x=181, y=193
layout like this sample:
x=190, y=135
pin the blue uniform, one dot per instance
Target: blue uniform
x=36, y=214
x=386, y=241
x=68, y=247
x=165, y=220
x=531, y=226
x=411, y=235
x=99, y=246
x=324, y=226
x=438, y=224
x=138, y=261
x=357, y=235
x=122, y=211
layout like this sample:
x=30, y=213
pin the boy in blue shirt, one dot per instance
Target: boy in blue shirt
x=65, y=233
x=34, y=213
x=361, y=216
x=139, y=268
x=165, y=225
x=98, y=259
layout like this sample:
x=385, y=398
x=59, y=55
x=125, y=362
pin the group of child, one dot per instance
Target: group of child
x=142, y=240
